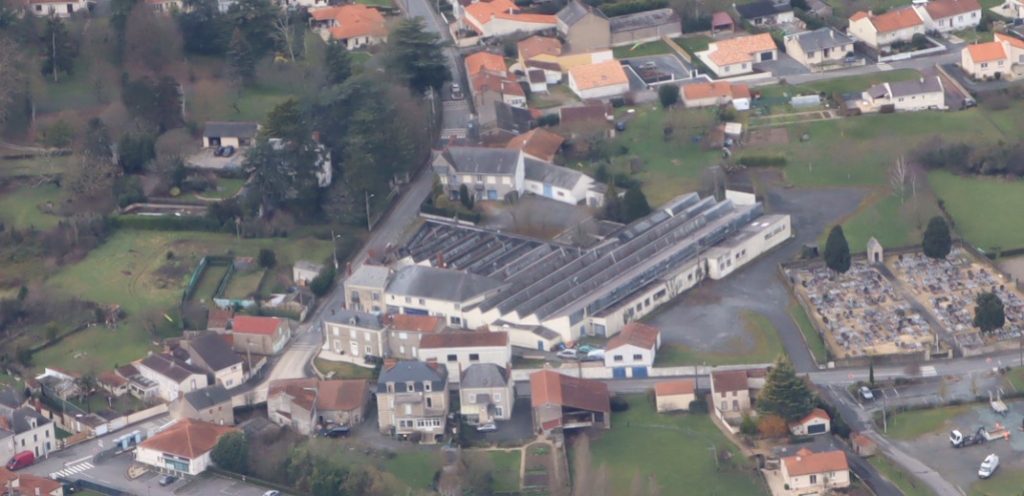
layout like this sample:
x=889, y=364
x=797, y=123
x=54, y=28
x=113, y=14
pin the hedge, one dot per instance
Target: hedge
x=171, y=223
x=762, y=160
x=632, y=7
x=473, y=217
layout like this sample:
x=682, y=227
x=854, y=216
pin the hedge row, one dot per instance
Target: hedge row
x=171, y=223
x=632, y=7
x=473, y=217
x=762, y=160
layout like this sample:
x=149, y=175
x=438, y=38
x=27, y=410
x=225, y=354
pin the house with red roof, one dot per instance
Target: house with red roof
x=500, y=18
x=183, y=448
x=671, y=396
x=816, y=422
x=950, y=15
x=1004, y=55
x=815, y=473
x=880, y=31
x=260, y=335
x=632, y=348
x=560, y=401
x=737, y=56
x=354, y=25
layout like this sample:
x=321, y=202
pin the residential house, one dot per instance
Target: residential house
x=716, y=93
x=590, y=114
x=25, y=428
x=21, y=484
x=1001, y=58
x=560, y=401
x=917, y=94
x=1014, y=9
x=219, y=320
x=821, y=49
x=166, y=6
x=309, y=405
x=261, y=335
x=236, y=134
x=210, y=352
x=633, y=348
x=765, y=12
x=558, y=183
x=510, y=91
x=486, y=393
x=583, y=27
x=357, y=334
x=537, y=80
x=502, y=18
x=722, y=22
x=731, y=391
x=816, y=422
x=173, y=377
x=489, y=174
x=138, y=386
x=183, y=448
x=210, y=404
x=308, y=4
x=863, y=445
x=353, y=25
x=880, y=31
x=486, y=62
x=405, y=332
x=412, y=400
x=59, y=8
x=504, y=122
x=364, y=288
x=303, y=272
x=538, y=144
x=112, y=383
x=674, y=395
x=737, y=56
x=459, y=350
x=539, y=53
x=809, y=473
x=642, y=27
x=946, y=16
x=596, y=81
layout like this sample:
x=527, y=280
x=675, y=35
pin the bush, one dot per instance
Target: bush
x=747, y=426
x=618, y=102
x=632, y=7
x=696, y=24
x=699, y=407
x=762, y=160
x=169, y=223
x=267, y=258
x=473, y=217
x=550, y=120
x=619, y=404
x=668, y=94
x=322, y=283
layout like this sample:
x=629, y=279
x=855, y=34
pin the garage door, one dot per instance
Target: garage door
x=816, y=429
x=619, y=373
x=639, y=372
x=766, y=56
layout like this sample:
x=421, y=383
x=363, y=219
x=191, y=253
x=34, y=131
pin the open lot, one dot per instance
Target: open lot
x=24, y=208
x=675, y=449
x=976, y=205
x=757, y=342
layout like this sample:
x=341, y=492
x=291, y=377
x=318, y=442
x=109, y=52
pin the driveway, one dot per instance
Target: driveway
x=519, y=427
x=668, y=64
x=784, y=66
x=707, y=318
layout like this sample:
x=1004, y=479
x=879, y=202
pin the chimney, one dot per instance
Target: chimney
x=440, y=260
x=389, y=363
x=432, y=362
x=6, y=424
x=39, y=406
x=832, y=33
x=38, y=491
x=348, y=268
x=922, y=80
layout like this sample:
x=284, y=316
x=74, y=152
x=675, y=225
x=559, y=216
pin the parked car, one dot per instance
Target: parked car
x=866, y=393
x=488, y=427
x=272, y=493
x=456, y=92
x=371, y=359
x=595, y=354
x=989, y=466
x=569, y=354
x=21, y=460
x=219, y=151
x=229, y=151
x=649, y=65
x=339, y=431
x=167, y=480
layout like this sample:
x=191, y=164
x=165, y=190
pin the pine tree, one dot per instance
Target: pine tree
x=337, y=63
x=989, y=315
x=837, y=251
x=60, y=50
x=937, y=241
x=415, y=54
x=614, y=210
x=784, y=394
x=241, y=59
x=635, y=204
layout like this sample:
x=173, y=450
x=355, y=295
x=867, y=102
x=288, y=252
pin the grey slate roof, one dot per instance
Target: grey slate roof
x=483, y=375
x=575, y=11
x=820, y=39
x=373, y=276
x=170, y=367
x=216, y=352
x=473, y=160
x=11, y=398
x=906, y=88
x=514, y=119
x=543, y=172
x=642, y=20
x=230, y=129
x=415, y=372
x=762, y=8
x=20, y=419
x=208, y=397
x=440, y=284
x=362, y=320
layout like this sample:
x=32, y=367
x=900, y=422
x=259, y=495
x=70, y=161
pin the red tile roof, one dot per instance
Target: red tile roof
x=817, y=413
x=806, y=462
x=986, y=52
x=357, y=20
x=941, y=9
x=494, y=82
x=539, y=45
x=736, y=50
x=548, y=387
x=863, y=441
x=727, y=381
x=539, y=143
x=706, y=90
x=111, y=379
x=219, y=319
x=485, y=61
x=256, y=325
x=636, y=334
x=27, y=483
x=333, y=395
x=463, y=340
x=189, y=438
x=673, y=388
x=418, y=323
x=893, y=20
x=1013, y=41
x=598, y=75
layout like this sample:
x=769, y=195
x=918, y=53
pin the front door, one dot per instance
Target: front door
x=492, y=194
x=355, y=349
x=337, y=346
x=547, y=191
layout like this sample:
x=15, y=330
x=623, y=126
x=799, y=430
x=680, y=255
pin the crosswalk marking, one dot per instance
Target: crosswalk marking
x=454, y=103
x=72, y=470
x=928, y=371
x=453, y=133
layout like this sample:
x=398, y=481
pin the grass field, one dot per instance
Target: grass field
x=506, y=469
x=21, y=208
x=33, y=167
x=644, y=50
x=343, y=370
x=979, y=206
x=852, y=84
x=1005, y=482
x=375, y=3
x=908, y=484
x=209, y=282
x=909, y=425
x=676, y=449
x=230, y=187
x=765, y=348
x=693, y=44
x=416, y=468
x=243, y=282
x=811, y=336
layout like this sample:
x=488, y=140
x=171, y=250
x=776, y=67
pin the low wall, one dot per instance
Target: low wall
x=439, y=218
x=910, y=55
x=147, y=414
x=598, y=371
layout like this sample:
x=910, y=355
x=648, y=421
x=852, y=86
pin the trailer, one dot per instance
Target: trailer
x=958, y=440
x=996, y=434
x=997, y=403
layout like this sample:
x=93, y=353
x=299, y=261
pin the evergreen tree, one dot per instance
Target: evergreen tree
x=255, y=19
x=97, y=143
x=135, y=150
x=635, y=204
x=416, y=55
x=837, y=251
x=204, y=29
x=287, y=122
x=784, y=394
x=467, y=201
x=267, y=258
x=614, y=210
x=241, y=59
x=337, y=63
x=989, y=313
x=60, y=50
x=232, y=453
x=937, y=241
x=668, y=94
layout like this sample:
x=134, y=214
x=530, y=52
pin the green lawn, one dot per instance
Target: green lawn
x=980, y=208
x=209, y=282
x=415, y=468
x=33, y=167
x=1006, y=482
x=644, y=50
x=885, y=217
x=21, y=208
x=243, y=283
x=506, y=469
x=852, y=84
x=814, y=342
x=375, y=3
x=343, y=370
x=693, y=44
x=908, y=484
x=1016, y=378
x=675, y=449
x=766, y=347
x=231, y=187
x=910, y=425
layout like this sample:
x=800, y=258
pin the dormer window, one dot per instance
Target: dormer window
x=409, y=386
x=426, y=386
x=391, y=387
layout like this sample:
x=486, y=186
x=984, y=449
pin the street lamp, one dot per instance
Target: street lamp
x=334, y=246
x=369, y=227
x=312, y=411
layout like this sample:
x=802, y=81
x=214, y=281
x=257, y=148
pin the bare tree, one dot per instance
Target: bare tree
x=11, y=75
x=152, y=41
x=87, y=177
x=284, y=34
x=898, y=178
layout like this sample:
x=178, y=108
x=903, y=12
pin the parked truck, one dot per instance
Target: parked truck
x=997, y=403
x=980, y=436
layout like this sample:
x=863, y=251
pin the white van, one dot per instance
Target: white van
x=989, y=466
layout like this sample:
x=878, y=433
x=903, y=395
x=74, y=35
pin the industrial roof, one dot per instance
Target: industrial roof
x=644, y=20
x=440, y=284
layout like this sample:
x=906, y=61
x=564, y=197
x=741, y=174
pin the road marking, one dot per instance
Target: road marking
x=928, y=371
x=71, y=470
x=897, y=393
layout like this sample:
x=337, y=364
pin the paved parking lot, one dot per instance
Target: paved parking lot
x=520, y=426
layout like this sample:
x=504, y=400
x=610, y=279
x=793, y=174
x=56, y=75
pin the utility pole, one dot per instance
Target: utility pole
x=334, y=248
x=369, y=225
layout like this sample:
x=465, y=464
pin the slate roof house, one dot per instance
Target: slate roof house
x=210, y=352
x=210, y=404
x=172, y=376
x=357, y=334
x=917, y=94
x=821, y=49
x=583, y=27
x=486, y=393
x=765, y=12
x=488, y=173
x=439, y=292
x=565, y=402
x=412, y=400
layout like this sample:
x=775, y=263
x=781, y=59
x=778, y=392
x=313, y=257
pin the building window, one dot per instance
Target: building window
x=375, y=296
x=647, y=302
x=336, y=331
x=637, y=357
x=472, y=398
x=456, y=321
x=427, y=386
x=430, y=402
x=369, y=351
x=725, y=405
x=618, y=358
x=499, y=411
x=422, y=302
x=391, y=387
x=403, y=335
x=735, y=405
x=814, y=479
x=659, y=295
x=497, y=397
x=354, y=333
x=408, y=300
x=453, y=358
x=474, y=357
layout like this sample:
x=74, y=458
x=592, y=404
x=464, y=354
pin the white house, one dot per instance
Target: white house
x=950, y=15
x=353, y=25
x=459, y=350
x=1003, y=57
x=917, y=94
x=236, y=134
x=60, y=8
x=737, y=56
x=556, y=182
x=501, y=18
x=816, y=422
x=183, y=448
x=880, y=31
x=444, y=293
x=810, y=473
x=635, y=346
x=172, y=376
x=596, y=81
x=674, y=395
